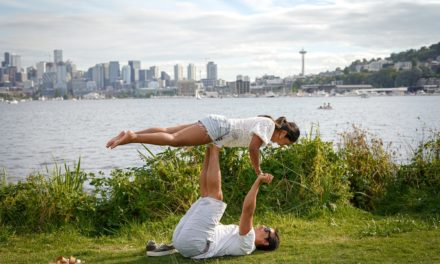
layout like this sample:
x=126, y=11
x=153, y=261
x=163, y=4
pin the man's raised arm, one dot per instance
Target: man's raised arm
x=250, y=202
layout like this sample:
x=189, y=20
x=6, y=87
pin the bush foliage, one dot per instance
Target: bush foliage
x=309, y=176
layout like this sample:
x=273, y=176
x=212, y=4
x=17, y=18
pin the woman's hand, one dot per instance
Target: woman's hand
x=265, y=178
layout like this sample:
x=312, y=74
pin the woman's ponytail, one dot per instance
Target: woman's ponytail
x=280, y=122
x=290, y=127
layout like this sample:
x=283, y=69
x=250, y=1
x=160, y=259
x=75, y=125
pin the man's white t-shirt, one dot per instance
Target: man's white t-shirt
x=242, y=131
x=228, y=241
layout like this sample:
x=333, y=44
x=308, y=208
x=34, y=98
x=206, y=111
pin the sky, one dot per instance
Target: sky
x=243, y=37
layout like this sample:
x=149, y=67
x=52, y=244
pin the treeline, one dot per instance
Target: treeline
x=388, y=76
x=310, y=176
x=421, y=55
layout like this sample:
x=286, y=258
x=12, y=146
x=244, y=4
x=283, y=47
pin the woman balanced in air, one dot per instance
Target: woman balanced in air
x=253, y=132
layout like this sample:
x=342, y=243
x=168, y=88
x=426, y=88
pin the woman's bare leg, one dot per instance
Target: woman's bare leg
x=111, y=141
x=169, y=130
x=192, y=135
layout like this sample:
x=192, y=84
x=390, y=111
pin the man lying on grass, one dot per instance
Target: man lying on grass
x=199, y=233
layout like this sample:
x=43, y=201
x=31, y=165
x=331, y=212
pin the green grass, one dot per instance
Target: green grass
x=348, y=235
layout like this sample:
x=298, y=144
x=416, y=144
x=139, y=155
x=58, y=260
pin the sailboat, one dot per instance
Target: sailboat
x=198, y=97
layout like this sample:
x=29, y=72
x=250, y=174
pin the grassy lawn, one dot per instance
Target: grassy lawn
x=346, y=236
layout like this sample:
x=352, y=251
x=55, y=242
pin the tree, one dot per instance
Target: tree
x=383, y=78
x=408, y=78
x=57, y=92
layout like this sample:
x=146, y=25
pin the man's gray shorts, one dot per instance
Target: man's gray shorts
x=196, y=229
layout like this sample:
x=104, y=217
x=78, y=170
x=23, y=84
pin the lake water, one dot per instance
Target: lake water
x=37, y=134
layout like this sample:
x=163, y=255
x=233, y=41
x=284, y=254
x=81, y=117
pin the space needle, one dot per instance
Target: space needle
x=302, y=52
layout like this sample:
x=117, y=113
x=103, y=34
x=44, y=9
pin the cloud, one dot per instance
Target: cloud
x=250, y=36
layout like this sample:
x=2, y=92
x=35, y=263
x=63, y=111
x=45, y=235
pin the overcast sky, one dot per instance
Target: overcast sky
x=247, y=37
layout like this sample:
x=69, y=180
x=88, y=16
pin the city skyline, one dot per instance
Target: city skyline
x=243, y=37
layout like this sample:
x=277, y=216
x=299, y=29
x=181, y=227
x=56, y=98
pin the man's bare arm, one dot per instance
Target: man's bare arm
x=250, y=203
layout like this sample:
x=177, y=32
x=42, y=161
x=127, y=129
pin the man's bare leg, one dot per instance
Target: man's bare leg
x=214, y=177
x=203, y=181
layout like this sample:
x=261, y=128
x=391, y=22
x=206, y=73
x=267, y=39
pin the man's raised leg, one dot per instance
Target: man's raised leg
x=203, y=193
x=214, y=177
x=203, y=181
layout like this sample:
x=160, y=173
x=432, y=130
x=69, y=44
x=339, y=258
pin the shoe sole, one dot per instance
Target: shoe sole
x=161, y=253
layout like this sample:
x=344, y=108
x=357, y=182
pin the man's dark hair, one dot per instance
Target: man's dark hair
x=274, y=242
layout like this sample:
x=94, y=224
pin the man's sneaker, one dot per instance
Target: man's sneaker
x=151, y=245
x=161, y=250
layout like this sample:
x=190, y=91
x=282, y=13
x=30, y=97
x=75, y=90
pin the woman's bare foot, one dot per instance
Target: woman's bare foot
x=125, y=139
x=111, y=141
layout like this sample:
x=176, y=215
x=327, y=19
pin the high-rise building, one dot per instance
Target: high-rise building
x=149, y=75
x=12, y=74
x=242, y=84
x=178, y=72
x=16, y=62
x=154, y=72
x=7, y=61
x=71, y=70
x=143, y=77
x=31, y=73
x=50, y=67
x=61, y=72
x=106, y=74
x=164, y=76
x=114, y=71
x=41, y=69
x=191, y=72
x=98, y=76
x=211, y=69
x=135, y=66
x=57, y=56
x=126, y=74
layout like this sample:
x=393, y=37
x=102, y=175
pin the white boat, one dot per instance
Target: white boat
x=270, y=94
x=198, y=97
x=13, y=102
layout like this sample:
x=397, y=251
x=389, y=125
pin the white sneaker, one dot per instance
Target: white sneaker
x=160, y=250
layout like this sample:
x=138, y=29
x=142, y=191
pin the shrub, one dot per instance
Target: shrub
x=167, y=183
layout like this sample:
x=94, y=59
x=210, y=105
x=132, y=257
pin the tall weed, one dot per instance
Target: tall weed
x=369, y=168
x=424, y=169
x=43, y=202
x=309, y=175
x=417, y=188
